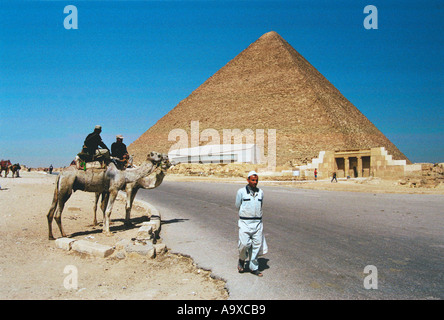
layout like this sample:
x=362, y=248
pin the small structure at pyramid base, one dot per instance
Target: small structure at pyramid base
x=357, y=163
x=217, y=153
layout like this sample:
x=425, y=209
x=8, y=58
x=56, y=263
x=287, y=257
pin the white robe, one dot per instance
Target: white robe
x=252, y=243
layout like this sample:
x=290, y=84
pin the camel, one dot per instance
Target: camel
x=4, y=166
x=109, y=180
x=15, y=168
x=150, y=182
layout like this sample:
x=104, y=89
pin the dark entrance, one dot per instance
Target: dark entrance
x=366, y=166
x=340, y=167
x=353, y=167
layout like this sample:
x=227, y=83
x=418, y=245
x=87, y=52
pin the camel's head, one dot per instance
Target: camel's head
x=165, y=162
x=160, y=159
x=154, y=156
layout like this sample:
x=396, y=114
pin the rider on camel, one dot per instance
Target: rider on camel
x=91, y=150
x=119, y=151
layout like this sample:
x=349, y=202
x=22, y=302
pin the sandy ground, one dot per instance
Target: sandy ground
x=31, y=267
x=374, y=185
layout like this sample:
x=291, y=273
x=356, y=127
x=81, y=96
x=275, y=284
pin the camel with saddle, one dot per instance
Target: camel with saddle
x=107, y=181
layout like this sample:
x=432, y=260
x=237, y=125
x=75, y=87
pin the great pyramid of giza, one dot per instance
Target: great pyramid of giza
x=270, y=85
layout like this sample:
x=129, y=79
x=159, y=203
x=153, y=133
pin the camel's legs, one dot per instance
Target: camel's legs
x=95, y=208
x=52, y=209
x=105, y=197
x=103, y=204
x=58, y=213
x=111, y=198
x=130, y=195
x=57, y=206
x=50, y=216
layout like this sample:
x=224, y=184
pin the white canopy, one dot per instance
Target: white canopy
x=217, y=153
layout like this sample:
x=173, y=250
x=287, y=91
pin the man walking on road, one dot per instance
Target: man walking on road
x=252, y=243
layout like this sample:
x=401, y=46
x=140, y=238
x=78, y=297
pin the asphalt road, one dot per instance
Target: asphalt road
x=320, y=242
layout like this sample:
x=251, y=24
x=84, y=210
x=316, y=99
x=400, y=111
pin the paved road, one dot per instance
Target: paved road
x=319, y=241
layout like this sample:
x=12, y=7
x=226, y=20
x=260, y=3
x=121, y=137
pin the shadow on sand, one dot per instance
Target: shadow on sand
x=135, y=223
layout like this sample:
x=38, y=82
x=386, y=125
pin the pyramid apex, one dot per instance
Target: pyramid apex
x=271, y=34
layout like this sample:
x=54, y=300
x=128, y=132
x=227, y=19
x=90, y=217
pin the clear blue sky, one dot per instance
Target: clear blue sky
x=131, y=62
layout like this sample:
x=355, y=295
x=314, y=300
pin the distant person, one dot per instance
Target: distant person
x=91, y=150
x=334, y=177
x=50, y=169
x=316, y=174
x=249, y=201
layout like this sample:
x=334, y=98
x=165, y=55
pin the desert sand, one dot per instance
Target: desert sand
x=32, y=267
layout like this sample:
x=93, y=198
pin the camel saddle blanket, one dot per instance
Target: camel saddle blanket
x=82, y=165
x=94, y=164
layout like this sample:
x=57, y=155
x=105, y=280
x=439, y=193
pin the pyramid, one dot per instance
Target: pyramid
x=270, y=85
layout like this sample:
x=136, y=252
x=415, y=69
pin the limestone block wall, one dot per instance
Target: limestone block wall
x=382, y=165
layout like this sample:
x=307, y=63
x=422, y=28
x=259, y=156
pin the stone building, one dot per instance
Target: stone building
x=357, y=163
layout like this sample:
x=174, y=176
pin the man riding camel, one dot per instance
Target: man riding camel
x=91, y=150
x=119, y=151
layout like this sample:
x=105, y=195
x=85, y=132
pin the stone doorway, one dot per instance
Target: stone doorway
x=366, y=166
x=353, y=167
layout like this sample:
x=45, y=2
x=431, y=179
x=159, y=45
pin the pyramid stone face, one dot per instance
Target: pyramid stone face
x=270, y=85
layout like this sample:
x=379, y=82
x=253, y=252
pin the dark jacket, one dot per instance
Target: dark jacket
x=118, y=150
x=92, y=143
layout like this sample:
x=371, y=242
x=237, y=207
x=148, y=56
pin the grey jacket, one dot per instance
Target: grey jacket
x=249, y=205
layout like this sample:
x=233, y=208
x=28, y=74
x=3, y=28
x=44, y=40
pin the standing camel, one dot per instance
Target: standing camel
x=109, y=180
x=150, y=182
